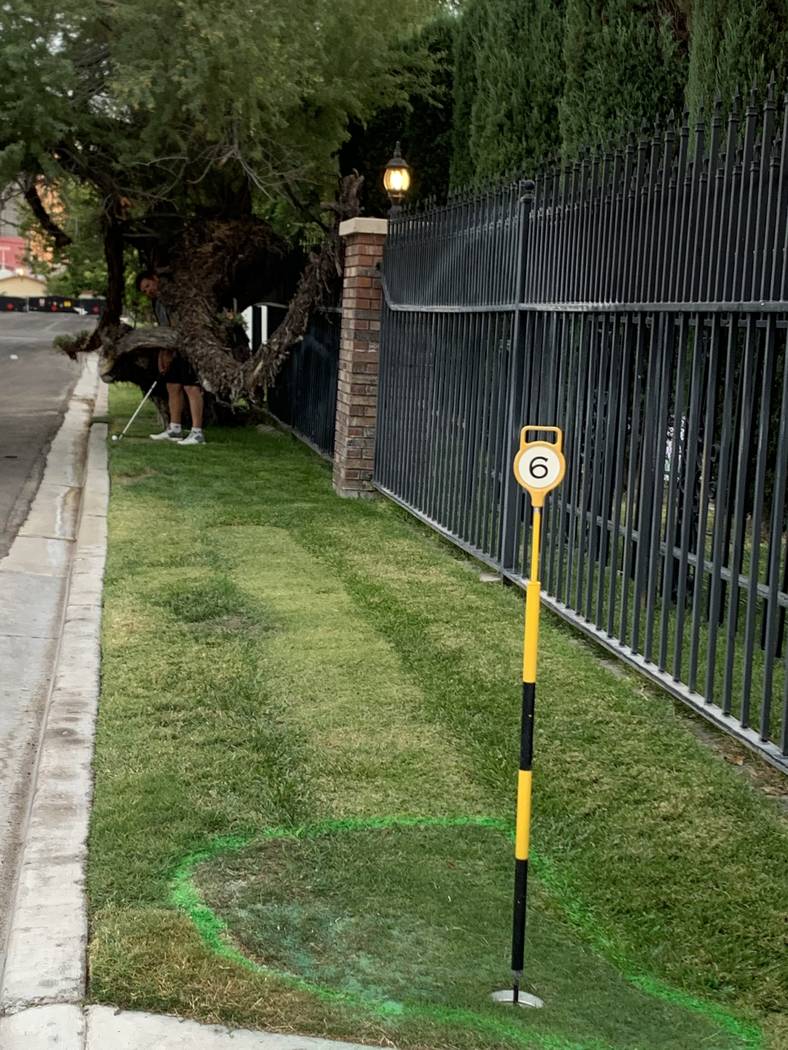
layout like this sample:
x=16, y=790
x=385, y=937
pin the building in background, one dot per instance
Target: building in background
x=16, y=275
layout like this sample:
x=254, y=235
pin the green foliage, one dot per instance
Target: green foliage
x=514, y=122
x=179, y=108
x=625, y=64
x=733, y=45
x=509, y=70
x=466, y=87
x=537, y=77
x=422, y=125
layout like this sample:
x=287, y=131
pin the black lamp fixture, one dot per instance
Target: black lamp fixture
x=396, y=180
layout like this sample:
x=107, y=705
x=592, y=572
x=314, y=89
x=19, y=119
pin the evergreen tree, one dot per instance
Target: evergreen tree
x=514, y=120
x=508, y=77
x=626, y=62
x=468, y=39
x=733, y=44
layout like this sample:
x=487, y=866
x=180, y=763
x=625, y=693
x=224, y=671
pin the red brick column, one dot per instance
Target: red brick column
x=357, y=386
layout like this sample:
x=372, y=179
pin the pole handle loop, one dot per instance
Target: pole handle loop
x=559, y=439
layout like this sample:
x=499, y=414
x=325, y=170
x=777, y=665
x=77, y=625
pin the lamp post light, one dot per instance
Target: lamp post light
x=396, y=180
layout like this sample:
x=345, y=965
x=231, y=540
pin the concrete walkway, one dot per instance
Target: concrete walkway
x=34, y=578
x=50, y=621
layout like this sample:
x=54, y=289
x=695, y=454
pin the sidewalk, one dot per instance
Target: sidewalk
x=50, y=623
x=34, y=578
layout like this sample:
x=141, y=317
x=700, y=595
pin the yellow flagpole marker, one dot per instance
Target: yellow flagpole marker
x=539, y=467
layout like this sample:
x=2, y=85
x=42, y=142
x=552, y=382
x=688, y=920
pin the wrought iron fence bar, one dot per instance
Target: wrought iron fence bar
x=608, y=464
x=775, y=621
x=742, y=466
x=632, y=471
x=767, y=366
x=575, y=435
x=658, y=483
x=602, y=410
x=620, y=459
x=779, y=262
x=761, y=307
x=721, y=514
x=711, y=361
x=645, y=481
x=583, y=533
x=666, y=547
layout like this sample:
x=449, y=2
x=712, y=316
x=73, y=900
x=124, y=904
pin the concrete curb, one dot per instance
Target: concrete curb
x=45, y=961
x=34, y=578
x=43, y=981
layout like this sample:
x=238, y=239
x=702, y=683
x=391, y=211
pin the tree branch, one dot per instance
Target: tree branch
x=321, y=277
x=45, y=220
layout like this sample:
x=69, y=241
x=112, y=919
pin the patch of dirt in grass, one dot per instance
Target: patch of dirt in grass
x=207, y=602
x=153, y=959
x=134, y=477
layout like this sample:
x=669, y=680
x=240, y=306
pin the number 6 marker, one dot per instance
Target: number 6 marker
x=539, y=466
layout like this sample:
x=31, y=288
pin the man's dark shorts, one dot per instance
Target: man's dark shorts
x=180, y=371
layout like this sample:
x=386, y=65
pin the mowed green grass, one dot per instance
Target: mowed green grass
x=274, y=657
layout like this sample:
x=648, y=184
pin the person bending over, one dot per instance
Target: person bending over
x=177, y=374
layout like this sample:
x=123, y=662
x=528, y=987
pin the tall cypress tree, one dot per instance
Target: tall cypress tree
x=514, y=123
x=508, y=78
x=733, y=44
x=626, y=62
x=468, y=40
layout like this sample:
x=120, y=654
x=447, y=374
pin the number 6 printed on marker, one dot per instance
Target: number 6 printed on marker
x=539, y=465
x=538, y=468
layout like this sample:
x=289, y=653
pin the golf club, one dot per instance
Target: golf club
x=117, y=437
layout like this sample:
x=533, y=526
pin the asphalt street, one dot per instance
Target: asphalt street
x=35, y=384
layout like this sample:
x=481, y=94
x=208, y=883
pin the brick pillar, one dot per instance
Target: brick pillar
x=357, y=386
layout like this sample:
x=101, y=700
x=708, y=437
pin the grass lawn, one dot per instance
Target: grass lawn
x=305, y=774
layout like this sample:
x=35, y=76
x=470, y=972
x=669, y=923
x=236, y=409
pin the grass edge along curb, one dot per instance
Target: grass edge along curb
x=214, y=932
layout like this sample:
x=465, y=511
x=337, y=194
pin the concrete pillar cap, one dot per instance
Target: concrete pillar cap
x=362, y=224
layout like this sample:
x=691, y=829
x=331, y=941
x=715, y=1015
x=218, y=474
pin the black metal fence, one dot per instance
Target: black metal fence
x=305, y=393
x=637, y=299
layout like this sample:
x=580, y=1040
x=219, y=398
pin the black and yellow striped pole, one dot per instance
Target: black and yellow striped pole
x=539, y=467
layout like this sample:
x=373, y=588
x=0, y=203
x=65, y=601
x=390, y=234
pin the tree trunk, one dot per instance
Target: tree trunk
x=113, y=253
x=212, y=260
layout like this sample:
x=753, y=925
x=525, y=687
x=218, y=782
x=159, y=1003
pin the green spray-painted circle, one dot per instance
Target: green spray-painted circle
x=217, y=934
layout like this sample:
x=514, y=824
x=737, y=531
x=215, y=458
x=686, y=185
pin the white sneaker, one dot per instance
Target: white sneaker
x=168, y=435
x=193, y=439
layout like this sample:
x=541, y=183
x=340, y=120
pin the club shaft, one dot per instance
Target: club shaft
x=139, y=407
